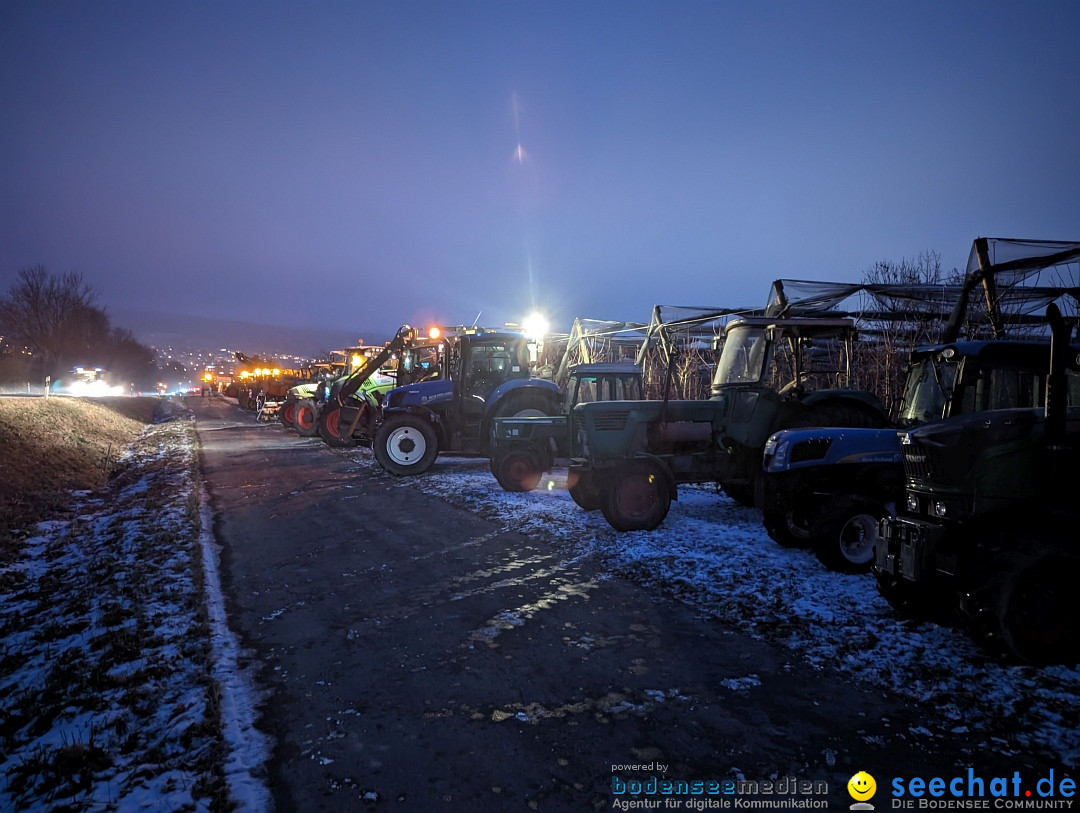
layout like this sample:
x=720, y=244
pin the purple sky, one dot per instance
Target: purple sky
x=364, y=164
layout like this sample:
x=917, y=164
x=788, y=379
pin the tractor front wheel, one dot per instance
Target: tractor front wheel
x=518, y=470
x=405, y=445
x=637, y=498
x=288, y=414
x=583, y=490
x=1019, y=596
x=845, y=534
x=783, y=529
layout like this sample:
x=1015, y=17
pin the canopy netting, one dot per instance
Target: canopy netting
x=1003, y=293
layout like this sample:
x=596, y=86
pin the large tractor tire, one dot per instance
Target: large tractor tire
x=331, y=428
x=846, y=532
x=405, y=445
x=517, y=470
x=287, y=414
x=784, y=529
x=306, y=418
x=1021, y=600
x=583, y=490
x=917, y=602
x=742, y=494
x=637, y=498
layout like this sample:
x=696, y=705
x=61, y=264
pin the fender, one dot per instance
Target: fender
x=861, y=397
x=427, y=415
x=520, y=384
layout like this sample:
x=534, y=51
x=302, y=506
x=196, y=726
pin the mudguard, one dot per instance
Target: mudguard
x=499, y=394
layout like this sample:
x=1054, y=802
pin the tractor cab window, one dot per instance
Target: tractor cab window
x=626, y=388
x=489, y=366
x=1006, y=388
x=929, y=388
x=586, y=392
x=742, y=361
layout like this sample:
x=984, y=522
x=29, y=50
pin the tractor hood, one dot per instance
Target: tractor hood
x=423, y=393
x=806, y=448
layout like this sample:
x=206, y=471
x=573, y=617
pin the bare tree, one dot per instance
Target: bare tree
x=881, y=364
x=54, y=318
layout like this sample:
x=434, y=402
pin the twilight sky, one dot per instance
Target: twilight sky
x=364, y=164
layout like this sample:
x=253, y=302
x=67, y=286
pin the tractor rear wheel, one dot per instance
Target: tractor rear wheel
x=405, y=444
x=517, y=470
x=637, y=498
x=1022, y=599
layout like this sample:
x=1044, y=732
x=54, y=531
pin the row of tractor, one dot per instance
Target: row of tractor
x=961, y=497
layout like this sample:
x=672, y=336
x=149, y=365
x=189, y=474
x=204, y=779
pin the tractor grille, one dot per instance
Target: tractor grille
x=918, y=460
x=610, y=420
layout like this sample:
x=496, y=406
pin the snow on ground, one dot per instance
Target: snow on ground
x=122, y=687
x=715, y=555
x=120, y=683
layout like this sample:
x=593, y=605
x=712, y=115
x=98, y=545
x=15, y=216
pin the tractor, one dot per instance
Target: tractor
x=524, y=448
x=481, y=374
x=772, y=373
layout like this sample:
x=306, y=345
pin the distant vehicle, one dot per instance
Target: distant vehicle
x=88, y=381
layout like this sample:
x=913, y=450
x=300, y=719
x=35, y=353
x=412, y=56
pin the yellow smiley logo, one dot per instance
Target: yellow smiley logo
x=861, y=786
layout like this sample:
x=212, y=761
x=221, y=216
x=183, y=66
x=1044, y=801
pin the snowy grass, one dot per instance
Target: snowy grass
x=715, y=556
x=111, y=644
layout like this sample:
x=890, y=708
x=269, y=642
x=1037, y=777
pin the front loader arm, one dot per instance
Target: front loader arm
x=355, y=381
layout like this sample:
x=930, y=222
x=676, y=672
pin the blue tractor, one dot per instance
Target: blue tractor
x=489, y=376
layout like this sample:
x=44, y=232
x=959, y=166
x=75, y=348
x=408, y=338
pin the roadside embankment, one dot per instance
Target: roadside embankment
x=54, y=446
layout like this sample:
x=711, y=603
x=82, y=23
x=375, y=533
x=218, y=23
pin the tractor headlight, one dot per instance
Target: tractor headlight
x=939, y=509
x=913, y=502
x=777, y=453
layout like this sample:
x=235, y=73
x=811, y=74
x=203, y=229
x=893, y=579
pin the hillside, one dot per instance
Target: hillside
x=53, y=446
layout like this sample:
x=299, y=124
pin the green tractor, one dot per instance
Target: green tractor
x=312, y=389
x=348, y=410
x=773, y=373
x=524, y=448
x=988, y=523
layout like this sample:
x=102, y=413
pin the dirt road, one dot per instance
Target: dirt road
x=417, y=657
